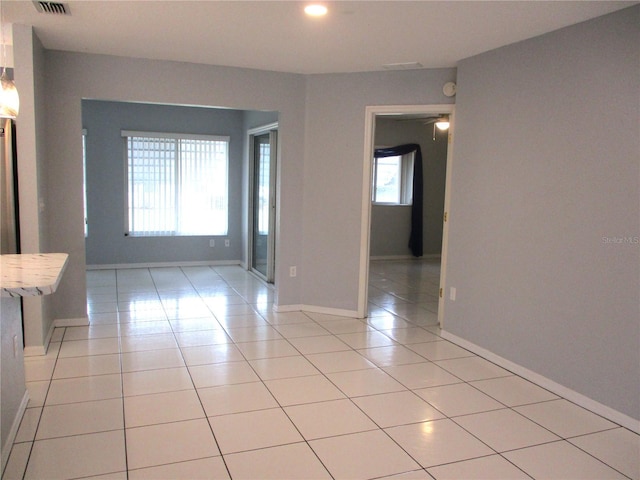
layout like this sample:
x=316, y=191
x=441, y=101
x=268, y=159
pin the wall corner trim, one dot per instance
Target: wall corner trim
x=6, y=448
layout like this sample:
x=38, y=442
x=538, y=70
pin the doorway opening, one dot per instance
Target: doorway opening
x=384, y=233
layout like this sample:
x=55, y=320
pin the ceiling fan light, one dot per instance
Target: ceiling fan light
x=9, y=99
x=442, y=124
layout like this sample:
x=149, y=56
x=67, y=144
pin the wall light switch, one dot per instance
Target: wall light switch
x=452, y=294
x=212, y=243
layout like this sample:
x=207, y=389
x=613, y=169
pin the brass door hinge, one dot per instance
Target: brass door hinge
x=440, y=292
x=445, y=216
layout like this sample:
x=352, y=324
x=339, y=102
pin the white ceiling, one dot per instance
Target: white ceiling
x=276, y=35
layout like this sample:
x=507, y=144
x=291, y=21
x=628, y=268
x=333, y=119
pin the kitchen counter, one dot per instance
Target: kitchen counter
x=23, y=275
x=20, y=276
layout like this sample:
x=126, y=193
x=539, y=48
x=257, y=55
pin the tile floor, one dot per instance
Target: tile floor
x=187, y=373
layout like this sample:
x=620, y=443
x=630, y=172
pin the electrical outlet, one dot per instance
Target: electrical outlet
x=226, y=242
x=452, y=294
x=293, y=271
x=212, y=243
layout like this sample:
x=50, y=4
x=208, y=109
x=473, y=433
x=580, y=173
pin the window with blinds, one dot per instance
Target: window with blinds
x=176, y=184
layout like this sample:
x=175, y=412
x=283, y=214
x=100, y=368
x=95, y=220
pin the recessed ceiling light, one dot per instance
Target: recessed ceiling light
x=315, y=10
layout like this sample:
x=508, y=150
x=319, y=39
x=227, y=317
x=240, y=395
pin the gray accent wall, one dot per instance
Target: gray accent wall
x=106, y=189
x=333, y=174
x=543, y=239
x=391, y=224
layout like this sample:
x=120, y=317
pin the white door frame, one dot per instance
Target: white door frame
x=251, y=133
x=365, y=228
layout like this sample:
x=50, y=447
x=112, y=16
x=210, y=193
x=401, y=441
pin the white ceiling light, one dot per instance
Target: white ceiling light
x=442, y=123
x=315, y=10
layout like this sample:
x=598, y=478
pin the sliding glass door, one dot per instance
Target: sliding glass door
x=263, y=204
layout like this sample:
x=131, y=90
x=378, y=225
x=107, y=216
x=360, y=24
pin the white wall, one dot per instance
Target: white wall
x=546, y=168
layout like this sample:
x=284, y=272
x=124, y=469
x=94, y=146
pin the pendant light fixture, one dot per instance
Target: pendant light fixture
x=9, y=99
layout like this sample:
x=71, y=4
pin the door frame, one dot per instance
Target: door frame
x=371, y=112
x=273, y=167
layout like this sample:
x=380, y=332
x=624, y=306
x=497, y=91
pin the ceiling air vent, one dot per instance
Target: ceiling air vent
x=53, y=8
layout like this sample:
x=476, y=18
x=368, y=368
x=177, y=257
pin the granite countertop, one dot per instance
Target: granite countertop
x=31, y=274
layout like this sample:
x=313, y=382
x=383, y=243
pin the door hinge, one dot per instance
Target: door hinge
x=445, y=216
x=440, y=292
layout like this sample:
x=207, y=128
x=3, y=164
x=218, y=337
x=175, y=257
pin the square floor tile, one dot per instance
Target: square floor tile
x=339, y=361
x=513, y=390
x=28, y=425
x=80, y=418
x=101, y=453
x=420, y=375
x=493, y=466
x=242, y=397
x=327, y=419
x=298, y=390
x=145, y=328
x=293, y=462
x=87, y=366
x=267, y=349
x=194, y=324
x=472, y=368
x=320, y=344
x=222, y=374
x=17, y=462
x=347, y=325
x=253, y=334
x=169, y=443
x=399, y=408
x=438, y=442
x=137, y=343
x=37, y=393
x=251, y=430
x=505, y=429
x=202, y=337
x=440, y=350
x=38, y=368
x=152, y=360
x=165, y=407
x=458, y=399
x=618, y=448
x=301, y=330
x=564, y=418
x=561, y=461
x=156, y=381
x=84, y=389
x=82, y=348
x=212, y=467
x=283, y=367
x=365, y=382
x=394, y=355
x=368, y=339
x=407, y=336
x=362, y=455
x=206, y=354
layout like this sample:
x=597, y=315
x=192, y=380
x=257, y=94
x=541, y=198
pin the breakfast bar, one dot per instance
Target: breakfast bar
x=21, y=275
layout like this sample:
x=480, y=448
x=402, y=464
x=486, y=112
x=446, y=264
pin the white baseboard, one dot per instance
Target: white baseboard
x=548, y=384
x=316, y=309
x=217, y=263
x=15, y=425
x=431, y=256
x=71, y=322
